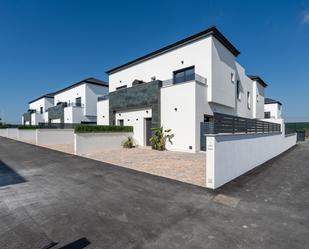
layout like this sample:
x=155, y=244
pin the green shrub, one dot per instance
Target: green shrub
x=159, y=138
x=128, y=143
x=102, y=128
x=28, y=127
x=3, y=126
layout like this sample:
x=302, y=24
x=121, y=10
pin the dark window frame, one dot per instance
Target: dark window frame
x=249, y=100
x=238, y=89
x=121, y=87
x=266, y=115
x=78, y=101
x=186, y=77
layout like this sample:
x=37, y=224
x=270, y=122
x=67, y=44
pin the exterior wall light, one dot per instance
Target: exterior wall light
x=175, y=109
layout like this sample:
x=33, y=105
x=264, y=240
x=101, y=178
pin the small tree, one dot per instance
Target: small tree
x=159, y=138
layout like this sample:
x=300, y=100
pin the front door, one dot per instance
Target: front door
x=148, y=130
x=120, y=122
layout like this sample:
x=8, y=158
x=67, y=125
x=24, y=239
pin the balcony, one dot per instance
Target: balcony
x=104, y=97
x=192, y=77
x=75, y=104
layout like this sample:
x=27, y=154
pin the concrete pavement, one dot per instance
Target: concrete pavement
x=50, y=199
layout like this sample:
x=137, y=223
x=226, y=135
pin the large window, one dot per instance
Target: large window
x=183, y=75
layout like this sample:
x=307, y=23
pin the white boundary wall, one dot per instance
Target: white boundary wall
x=54, y=136
x=12, y=133
x=229, y=156
x=4, y=132
x=85, y=143
x=27, y=135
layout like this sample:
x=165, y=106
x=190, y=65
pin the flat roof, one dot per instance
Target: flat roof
x=48, y=95
x=258, y=79
x=210, y=31
x=271, y=101
x=91, y=80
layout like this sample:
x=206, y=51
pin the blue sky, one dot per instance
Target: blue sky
x=46, y=45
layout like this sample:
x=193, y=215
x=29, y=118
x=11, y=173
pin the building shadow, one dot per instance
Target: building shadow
x=77, y=244
x=9, y=176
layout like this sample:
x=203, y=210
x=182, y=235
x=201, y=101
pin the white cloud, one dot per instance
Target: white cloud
x=306, y=17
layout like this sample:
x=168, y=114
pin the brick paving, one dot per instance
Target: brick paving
x=184, y=167
x=180, y=166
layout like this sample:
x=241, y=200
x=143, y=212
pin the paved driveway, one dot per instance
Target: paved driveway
x=48, y=196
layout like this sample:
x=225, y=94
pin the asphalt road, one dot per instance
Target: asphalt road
x=50, y=199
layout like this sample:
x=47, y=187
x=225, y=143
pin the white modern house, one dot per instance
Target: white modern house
x=76, y=103
x=272, y=109
x=180, y=86
x=37, y=112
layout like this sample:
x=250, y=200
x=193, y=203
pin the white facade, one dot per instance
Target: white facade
x=41, y=105
x=81, y=101
x=135, y=118
x=274, y=110
x=184, y=105
x=39, y=110
x=103, y=112
x=180, y=114
x=213, y=62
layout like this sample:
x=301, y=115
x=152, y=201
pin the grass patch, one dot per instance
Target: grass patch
x=102, y=128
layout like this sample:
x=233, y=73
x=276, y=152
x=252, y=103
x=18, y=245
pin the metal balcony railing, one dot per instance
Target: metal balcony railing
x=75, y=104
x=104, y=97
x=195, y=77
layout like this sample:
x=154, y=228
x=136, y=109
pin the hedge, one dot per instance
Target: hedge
x=102, y=128
x=297, y=125
x=3, y=126
x=28, y=127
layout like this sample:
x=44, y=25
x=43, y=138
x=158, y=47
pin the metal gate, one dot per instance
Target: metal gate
x=300, y=136
x=205, y=128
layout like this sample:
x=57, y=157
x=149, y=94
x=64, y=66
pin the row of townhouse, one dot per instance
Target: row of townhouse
x=76, y=103
x=177, y=87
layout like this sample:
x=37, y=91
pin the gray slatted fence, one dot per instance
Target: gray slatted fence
x=223, y=123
